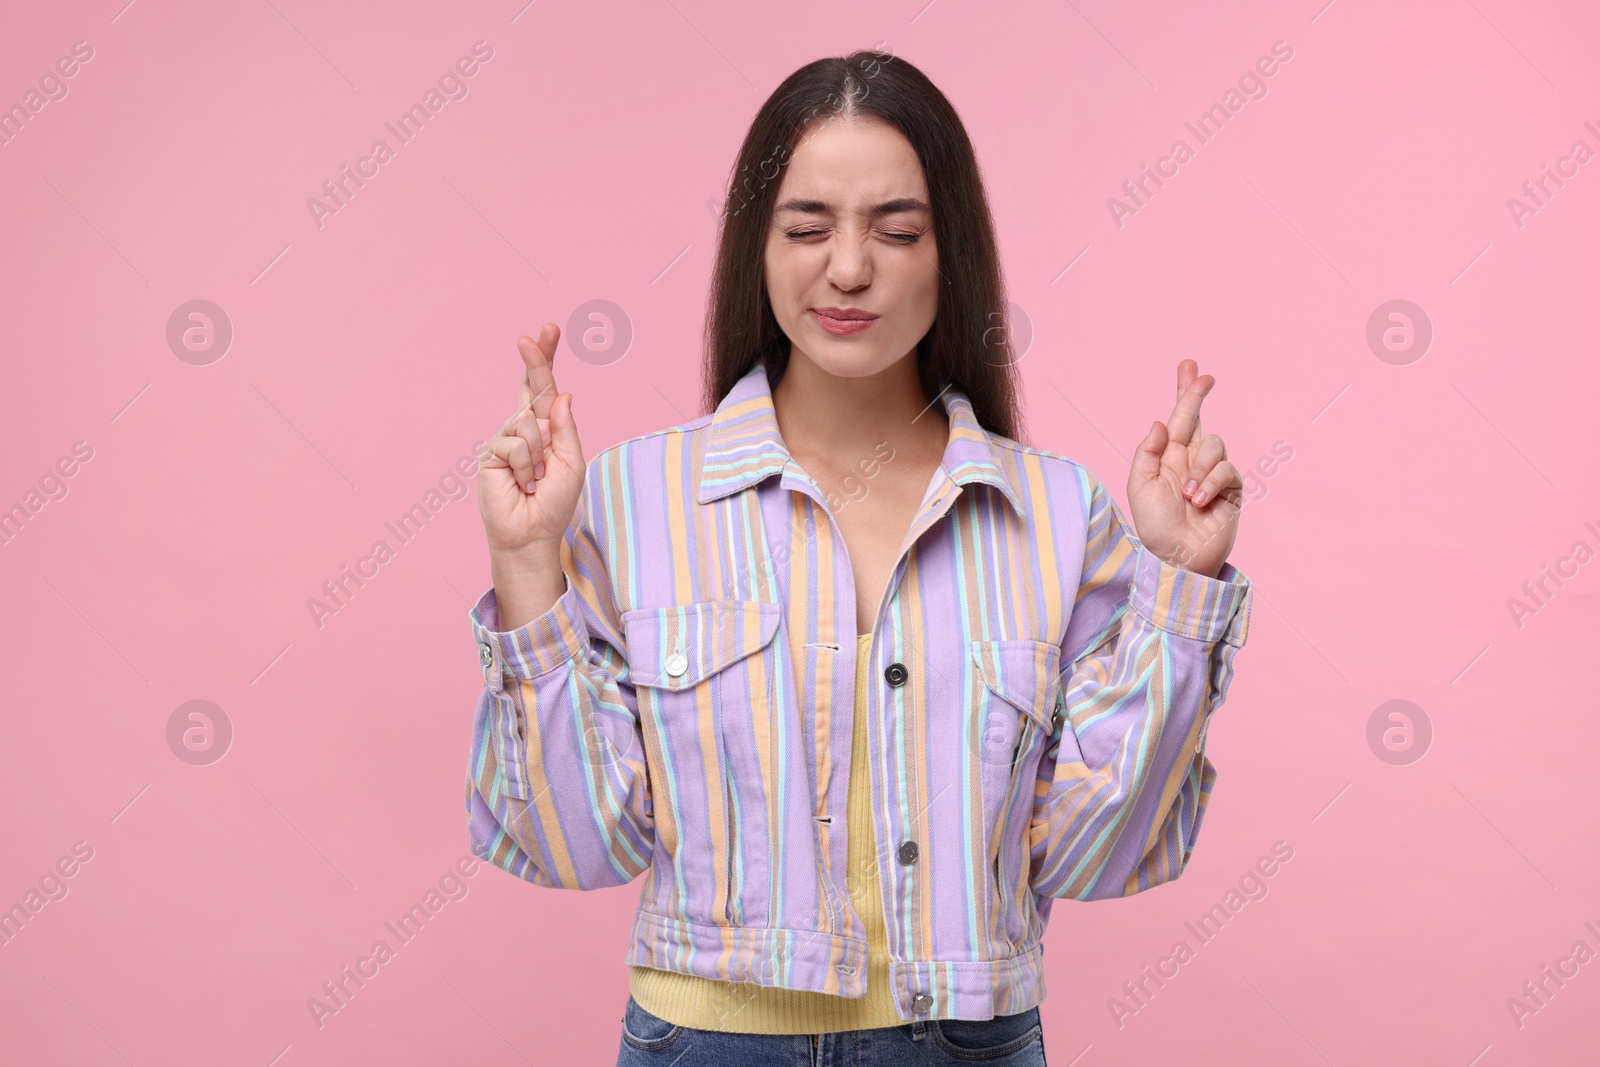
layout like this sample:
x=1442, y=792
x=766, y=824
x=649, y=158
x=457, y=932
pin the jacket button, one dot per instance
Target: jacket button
x=908, y=852
x=921, y=1002
x=895, y=674
x=485, y=653
x=677, y=663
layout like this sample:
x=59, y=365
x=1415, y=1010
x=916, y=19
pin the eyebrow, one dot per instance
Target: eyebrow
x=897, y=206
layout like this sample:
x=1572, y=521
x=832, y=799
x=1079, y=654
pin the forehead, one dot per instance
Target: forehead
x=852, y=163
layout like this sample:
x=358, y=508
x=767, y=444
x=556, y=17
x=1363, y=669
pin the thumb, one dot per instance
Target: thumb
x=1147, y=457
x=564, y=432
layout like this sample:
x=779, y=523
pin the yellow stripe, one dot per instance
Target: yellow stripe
x=741, y=1007
x=544, y=801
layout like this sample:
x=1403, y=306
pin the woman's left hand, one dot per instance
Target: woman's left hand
x=1184, y=494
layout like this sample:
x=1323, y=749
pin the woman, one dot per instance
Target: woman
x=859, y=680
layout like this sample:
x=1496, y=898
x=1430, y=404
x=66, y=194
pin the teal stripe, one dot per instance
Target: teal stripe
x=989, y=507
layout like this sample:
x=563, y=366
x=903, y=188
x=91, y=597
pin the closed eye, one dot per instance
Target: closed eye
x=904, y=238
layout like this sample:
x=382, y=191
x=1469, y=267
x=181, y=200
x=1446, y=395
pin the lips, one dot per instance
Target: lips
x=842, y=322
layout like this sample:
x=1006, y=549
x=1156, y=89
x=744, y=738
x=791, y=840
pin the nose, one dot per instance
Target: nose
x=849, y=261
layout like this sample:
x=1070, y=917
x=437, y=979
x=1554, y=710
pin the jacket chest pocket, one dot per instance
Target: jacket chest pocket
x=1016, y=712
x=703, y=672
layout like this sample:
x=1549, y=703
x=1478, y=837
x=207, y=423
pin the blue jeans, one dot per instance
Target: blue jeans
x=1004, y=1041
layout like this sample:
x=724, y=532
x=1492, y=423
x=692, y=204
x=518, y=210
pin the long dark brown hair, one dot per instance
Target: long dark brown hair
x=969, y=345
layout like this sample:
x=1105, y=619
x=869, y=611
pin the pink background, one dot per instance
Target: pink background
x=370, y=353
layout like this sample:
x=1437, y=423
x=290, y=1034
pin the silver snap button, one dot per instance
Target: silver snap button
x=921, y=1002
x=677, y=663
x=485, y=653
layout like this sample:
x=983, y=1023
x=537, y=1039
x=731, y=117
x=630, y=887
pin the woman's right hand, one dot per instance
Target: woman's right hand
x=531, y=472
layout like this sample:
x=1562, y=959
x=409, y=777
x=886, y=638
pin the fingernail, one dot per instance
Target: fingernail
x=538, y=470
x=1199, y=498
x=1188, y=487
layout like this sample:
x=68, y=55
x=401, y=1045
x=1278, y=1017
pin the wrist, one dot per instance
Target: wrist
x=1183, y=559
x=531, y=559
x=525, y=586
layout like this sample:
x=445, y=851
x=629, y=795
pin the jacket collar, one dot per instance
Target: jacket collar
x=744, y=446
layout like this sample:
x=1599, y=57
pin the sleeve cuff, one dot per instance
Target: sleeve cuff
x=1191, y=604
x=543, y=644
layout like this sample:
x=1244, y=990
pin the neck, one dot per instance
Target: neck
x=828, y=418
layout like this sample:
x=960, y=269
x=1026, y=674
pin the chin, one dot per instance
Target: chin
x=844, y=358
x=851, y=364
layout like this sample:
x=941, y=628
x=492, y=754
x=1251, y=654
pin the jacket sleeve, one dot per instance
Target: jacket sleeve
x=557, y=790
x=1147, y=657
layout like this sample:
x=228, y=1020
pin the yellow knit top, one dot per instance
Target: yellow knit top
x=710, y=1004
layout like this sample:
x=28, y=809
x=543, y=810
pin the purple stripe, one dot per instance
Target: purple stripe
x=1134, y=657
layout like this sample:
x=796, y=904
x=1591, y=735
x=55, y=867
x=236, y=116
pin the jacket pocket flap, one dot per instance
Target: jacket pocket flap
x=680, y=646
x=1023, y=672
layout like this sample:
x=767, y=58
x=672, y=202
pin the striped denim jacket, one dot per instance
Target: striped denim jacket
x=1041, y=689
